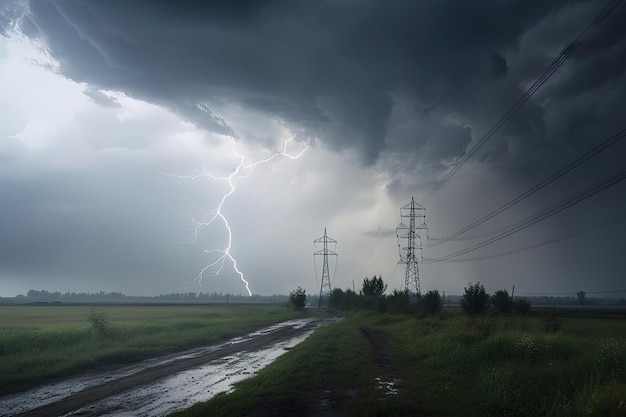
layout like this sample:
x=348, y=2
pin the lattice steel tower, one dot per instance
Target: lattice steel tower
x=410, y=245
x=325, y=288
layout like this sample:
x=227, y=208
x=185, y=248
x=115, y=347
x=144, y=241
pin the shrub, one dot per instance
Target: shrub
x=374, y=287
x=475, y=299
x=502, y=302
x=431, y=302
x=552, y=322
x=521, y=306
x=99, y=321
x=399, y=302
x=297, y=298
x=336, y=298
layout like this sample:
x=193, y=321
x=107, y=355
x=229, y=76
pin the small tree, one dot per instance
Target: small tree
x=297, y=298
x=350, y=299
x=99, y=321
x=374, y=287
x=336, y=298
x=475, y=299
x=502, y=302
x=399, y=301
x=431, y=302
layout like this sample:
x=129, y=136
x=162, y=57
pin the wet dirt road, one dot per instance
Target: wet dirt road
x=160, y=386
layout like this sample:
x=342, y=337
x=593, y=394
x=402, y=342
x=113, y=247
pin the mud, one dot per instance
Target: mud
x=160, y=386
x=386, y=382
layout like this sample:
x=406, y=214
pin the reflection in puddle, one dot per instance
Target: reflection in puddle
x=389, y=387
x=186, y=388
x=167, y=395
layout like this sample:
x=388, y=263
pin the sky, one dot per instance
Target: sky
x=125, y=126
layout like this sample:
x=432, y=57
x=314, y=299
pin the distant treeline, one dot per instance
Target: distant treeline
x=43, y=296
x=573, y=300
x=544, y=300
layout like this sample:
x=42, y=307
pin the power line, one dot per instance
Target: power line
x=547, y=181
x=540, y=294
x=577, y=198
x=537, y=245
x=549, y=71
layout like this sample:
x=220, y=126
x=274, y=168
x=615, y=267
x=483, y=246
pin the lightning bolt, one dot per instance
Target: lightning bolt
x=243, y=170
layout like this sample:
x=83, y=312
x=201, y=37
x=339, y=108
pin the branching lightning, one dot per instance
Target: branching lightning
x=243, y=170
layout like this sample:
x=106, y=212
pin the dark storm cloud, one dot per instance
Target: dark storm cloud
x=499, y=68
x=409, y=85
x=329, y=67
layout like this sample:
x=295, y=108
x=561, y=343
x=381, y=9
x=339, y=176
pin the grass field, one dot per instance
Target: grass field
x=41, y=343
x=450, y=366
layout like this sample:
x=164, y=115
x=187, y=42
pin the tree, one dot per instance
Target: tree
x=374, y=287
x=297, y=298
x=475, y=299
x=399, y=301
x=431, y=302
x=336, y=298
x=581, y=298
x=99, y=321
x=502, y=302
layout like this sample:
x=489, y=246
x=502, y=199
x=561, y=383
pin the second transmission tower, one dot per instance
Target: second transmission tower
x=325, y=288
x=409, y=244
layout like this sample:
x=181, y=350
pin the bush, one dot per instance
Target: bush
x=502, y=302
x=99, y=321
x=343, y=300
x=552, y=322
x=297, y=298
x=521, y=306
x=336, y=298
x=374, y=287
x=431, y=302
x=475, y=299
x=399, y=302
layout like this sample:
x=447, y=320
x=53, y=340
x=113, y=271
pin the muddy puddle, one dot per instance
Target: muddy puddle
x=173, y=392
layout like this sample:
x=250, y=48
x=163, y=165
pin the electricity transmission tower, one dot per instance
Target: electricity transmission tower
x=409, y=243
x=325, y=288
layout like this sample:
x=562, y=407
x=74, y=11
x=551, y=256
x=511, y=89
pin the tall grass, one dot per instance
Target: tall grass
x=511, y=370
x=42, y=342
x=452, y=366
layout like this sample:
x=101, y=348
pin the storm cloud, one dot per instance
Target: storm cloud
x=389, y=95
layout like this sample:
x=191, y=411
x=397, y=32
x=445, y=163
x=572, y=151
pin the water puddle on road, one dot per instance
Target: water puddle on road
x=175, y=392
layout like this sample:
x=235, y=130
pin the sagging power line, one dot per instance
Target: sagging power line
x=548, y=72
x=539, y=244
x=549, y=212
x=542, y=184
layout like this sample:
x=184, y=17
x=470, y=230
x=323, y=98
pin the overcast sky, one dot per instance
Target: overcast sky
x=121, y=123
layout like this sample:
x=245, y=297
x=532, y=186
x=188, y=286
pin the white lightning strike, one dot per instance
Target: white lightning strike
x=243, y=170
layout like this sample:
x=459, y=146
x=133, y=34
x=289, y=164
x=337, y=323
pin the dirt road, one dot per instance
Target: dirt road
x=155, y=371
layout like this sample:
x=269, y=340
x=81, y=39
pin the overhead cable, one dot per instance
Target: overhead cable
x=557, y=208
x=548, y=72
x=558, y=174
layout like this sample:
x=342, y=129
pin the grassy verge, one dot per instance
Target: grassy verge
x=453, y=366
x=39, y=343
x=332, y=366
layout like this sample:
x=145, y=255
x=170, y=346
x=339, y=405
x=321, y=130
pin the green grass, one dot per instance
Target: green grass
x=334, y=358
x=455, y=366
x=39, y=343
